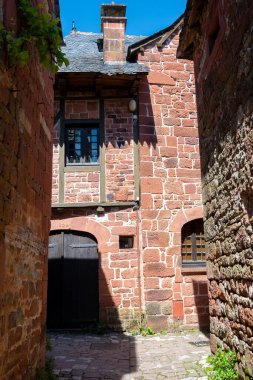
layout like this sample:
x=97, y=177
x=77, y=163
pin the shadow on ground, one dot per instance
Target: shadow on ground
x=117, y=356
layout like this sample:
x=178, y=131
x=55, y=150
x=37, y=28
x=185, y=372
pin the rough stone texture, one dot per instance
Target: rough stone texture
x=75, y=191
x=224, y=93
x=26, y=99
x=170, y=195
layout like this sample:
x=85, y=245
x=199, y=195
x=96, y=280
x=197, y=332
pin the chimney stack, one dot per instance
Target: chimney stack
x=113, y=25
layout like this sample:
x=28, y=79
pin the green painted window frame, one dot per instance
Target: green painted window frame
x=85, y=167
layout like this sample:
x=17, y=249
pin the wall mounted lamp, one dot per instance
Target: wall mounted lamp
x=132, y=105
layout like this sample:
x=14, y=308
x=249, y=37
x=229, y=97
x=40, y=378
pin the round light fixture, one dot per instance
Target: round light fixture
x=132, y=105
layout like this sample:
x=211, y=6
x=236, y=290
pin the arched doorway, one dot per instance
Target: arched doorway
x=73, y=299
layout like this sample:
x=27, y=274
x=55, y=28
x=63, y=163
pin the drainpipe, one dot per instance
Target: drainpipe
x=139, y=255
x=137, y=208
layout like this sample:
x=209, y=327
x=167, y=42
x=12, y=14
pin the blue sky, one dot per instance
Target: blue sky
x=143, y=17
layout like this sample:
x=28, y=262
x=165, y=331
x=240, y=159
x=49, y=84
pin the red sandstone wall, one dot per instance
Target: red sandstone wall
x=119, y=158
x=85, y=186
x=82, y=187
x=81, y=109
x=118, y=268
x=170, y=197
x=223, y=63
x=56, y=139
x=170, y=186
x=26, y=99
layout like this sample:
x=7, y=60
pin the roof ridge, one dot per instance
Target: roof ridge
x=169, y=29
x=100, y=34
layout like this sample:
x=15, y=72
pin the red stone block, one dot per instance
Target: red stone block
x=146, y=169
x=156, y=270
x=151, y=255
x=151, y=185
x=178, y=311
x=158, y=77
x=146, y=201
x=158, y=239
x=168, y=152
x=166, y=283
x=186, y=132
x=190, y=189
x=129, y=273
x=174, y=187
x=158, y=295
x=151, y=283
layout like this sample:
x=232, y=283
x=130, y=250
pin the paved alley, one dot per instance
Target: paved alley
x=123, y=357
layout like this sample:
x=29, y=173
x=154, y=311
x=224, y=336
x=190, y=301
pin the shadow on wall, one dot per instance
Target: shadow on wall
x=118, y=120
x=200, y=290
x=80, y=303
x=148, y=122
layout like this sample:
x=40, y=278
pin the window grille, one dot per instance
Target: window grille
x=193, y=244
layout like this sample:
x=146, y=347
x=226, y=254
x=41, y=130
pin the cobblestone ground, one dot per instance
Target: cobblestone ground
x=123, y=357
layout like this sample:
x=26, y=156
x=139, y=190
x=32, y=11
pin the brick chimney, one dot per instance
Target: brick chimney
x=113, y=25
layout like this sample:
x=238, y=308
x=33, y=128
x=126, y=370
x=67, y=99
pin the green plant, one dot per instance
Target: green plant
x=143, y=329
x=222, y=366
x=146, y=331
x=46, y=372
x=37, y=29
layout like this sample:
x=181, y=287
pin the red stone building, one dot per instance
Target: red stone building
x=217, y=36
x=26, y=111
x=127, y=229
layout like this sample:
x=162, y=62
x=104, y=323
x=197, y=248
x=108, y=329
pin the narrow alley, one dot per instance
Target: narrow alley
x=117, y=356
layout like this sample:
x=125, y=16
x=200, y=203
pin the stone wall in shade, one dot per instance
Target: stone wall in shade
x=26, y=109
x=223, y=67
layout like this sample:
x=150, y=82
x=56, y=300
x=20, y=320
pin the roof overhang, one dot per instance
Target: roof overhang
x=116, y=85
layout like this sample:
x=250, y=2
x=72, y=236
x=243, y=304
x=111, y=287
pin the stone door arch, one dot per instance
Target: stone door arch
x=73, y=296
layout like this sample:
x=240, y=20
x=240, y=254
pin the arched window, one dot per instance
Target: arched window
x=193, y=244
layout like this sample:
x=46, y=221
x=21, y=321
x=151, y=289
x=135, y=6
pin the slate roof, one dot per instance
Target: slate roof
x=83, y=53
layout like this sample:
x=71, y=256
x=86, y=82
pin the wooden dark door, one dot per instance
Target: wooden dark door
x=72, y=280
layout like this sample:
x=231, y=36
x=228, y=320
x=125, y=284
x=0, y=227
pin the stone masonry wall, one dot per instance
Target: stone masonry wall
x=26, y=102
x=170, y=196
x=118, y=268
x=119, y=151
x=82, y=187
x=170, y=186
x=85, y=186
x=223, y=66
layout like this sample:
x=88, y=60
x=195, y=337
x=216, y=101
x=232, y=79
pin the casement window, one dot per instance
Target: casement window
x=81, y=144
x=193, y=244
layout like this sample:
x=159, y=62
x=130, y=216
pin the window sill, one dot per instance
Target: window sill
x=81, y=168
x=193, y=270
